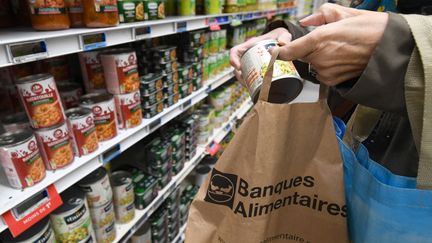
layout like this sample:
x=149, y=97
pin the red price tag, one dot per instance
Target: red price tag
x=215, y=27
x=19, y=225
x=213, y=148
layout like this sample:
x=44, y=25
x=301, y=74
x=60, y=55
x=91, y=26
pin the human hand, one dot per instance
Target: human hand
x=340, y=48
x=280, y=34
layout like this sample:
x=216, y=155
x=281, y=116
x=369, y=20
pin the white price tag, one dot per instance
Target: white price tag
x=142, y=32
x=27, y=51
x=93, y=41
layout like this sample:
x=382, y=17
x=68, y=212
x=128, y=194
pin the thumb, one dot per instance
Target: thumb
x=298, y=49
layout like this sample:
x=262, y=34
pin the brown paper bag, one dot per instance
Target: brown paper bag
x=279, y=180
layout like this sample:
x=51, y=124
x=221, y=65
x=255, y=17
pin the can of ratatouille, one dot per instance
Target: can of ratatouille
x=286, y=82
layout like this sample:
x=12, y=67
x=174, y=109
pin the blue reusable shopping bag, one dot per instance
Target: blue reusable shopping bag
x=382, y=207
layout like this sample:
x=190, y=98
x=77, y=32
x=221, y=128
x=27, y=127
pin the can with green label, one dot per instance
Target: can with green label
x=126, y=10
x=213, y=7
x=186, y=7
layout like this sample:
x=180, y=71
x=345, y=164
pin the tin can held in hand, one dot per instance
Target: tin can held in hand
x=286, y=82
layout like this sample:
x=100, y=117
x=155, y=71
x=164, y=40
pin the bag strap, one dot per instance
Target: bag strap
x=265, y=87
x=418, y=94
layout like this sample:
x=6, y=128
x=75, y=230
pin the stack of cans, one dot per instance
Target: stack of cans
x=172, y=206
x=158, y=156
x=190, y=127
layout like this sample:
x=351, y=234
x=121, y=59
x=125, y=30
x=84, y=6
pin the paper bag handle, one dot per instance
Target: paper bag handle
x=265, y=87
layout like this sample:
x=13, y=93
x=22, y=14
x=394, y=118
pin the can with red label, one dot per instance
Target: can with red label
x=56, y=146
x=104, y=114
x=41, y=100
x=21, y=159
x=70, y=94
x=121, y=71
x=83, y=130
x=92, y=71
x=129, y=109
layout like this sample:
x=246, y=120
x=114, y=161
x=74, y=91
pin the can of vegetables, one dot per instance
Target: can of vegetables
x=41, y=100
x=286, y=83
x=123, y=195
x=121, y=71
x=129, y=109
x=104, y=114
x=92, y=71
x=56, y=145
x=82, y=127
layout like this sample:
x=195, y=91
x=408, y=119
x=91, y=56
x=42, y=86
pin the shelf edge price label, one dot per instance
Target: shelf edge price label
x=142, y=32
x=213, y=148
x=27, y=51
x=111, y=153
x=181, y=26
x=93, y=41
x=186, y=104
x=154, y=124
x=27, y=214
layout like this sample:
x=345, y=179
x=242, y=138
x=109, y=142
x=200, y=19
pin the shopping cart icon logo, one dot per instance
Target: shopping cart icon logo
x=221, y=189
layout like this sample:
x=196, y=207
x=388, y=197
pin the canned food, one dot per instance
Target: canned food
x=41, y=232
x=167, y=67
x=165, y=53
x=286, y=82
x=161, y=169
x=15, y=122
x=170, y=78
x=129, y=109
x=145, y=190
x=196, y=83
x=171, y=89
x=143, y=234
x=155, y=9
x=197, y=68
x=71, y=221
x=92, y=71
x=56, y=146
x=103, y=216
x=122, y=188
x=70, y=94
x=125, y=213
x=185, y=72
x=57, y=67
x=151, y=82
x=120, y=71
x=106, y=234
x=41, y=100
x=97, y=187
x=83, y=130
x=163, y=181
x=172, y=99
x=151, y=99
x=126, y=10
x=153, y=110
x=21, y=159
x=192, y=55
x=104, y=114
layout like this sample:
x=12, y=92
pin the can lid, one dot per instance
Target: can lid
x=117, y=51
x=8, y=139
x=34, y=78
x=20, y=117
x=67, y=86
x=29, y=233
x=94, y=98
x=78, y=112
x=150, y=77
x=121, y=177
x=93, y=177
x=72, y=198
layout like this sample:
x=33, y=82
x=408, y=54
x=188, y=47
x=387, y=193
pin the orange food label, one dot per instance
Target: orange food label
x=41, y=102
x=23, y=164
x=105, y=119
x=41, y=7
x=74, y=6
x=105, y=6
x=57, y=146
x=129, y=109
x=84, y=133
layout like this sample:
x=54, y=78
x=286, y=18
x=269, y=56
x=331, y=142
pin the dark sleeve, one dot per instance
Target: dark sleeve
x=381, y=84
x=296, y=32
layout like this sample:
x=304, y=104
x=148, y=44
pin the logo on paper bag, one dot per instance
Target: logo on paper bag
x=221, y=189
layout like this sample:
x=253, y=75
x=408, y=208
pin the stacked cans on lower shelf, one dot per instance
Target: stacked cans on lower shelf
x=186, y=198
x=190, y=126
x=176, y=138
x=158, y=158
x=172, y=204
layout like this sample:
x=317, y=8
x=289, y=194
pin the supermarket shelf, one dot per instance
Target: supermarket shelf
x=125, y=231
x=62, y=42
x=180, y=234
x=64, y=178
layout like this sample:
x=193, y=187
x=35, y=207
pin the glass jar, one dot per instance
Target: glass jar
x=48, y=15
x=75, y=12
x=100, y=13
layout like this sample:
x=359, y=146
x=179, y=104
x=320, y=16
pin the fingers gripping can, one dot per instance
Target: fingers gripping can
x=286, y=82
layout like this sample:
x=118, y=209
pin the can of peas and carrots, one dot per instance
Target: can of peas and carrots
x=286, y=82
